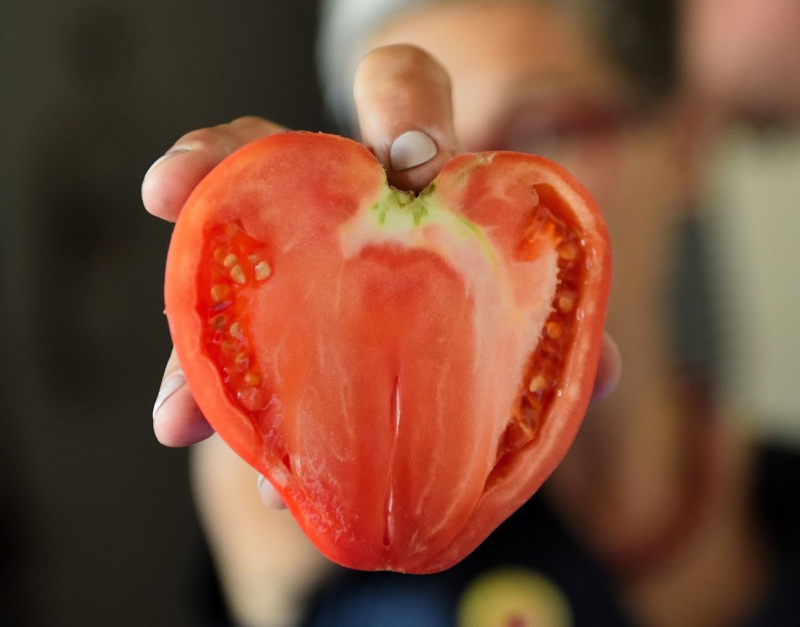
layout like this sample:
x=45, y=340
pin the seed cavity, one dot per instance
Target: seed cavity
x=234, y=260
x=541, y=386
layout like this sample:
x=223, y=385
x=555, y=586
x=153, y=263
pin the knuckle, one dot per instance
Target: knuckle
x=205, y=139
x=252, y=121
x=223, y=139
x=249, y=127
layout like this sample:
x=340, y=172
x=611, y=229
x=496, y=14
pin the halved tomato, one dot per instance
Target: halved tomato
x=405, y=370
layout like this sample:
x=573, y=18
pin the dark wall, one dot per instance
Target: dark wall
x=96, y=522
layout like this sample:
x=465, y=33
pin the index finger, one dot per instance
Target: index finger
x=170, y=180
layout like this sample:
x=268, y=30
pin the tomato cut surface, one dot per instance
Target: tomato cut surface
x=405, y=370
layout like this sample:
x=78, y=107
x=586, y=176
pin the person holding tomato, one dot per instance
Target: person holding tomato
x=651, y=518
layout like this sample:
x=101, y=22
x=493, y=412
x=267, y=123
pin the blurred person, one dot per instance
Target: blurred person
x=652, y=519
x=741, y=59
x=744, y=55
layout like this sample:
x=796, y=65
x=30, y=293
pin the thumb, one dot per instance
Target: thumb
x=405, y=113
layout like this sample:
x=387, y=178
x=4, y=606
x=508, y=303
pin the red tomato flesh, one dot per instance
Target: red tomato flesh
x=406, y=371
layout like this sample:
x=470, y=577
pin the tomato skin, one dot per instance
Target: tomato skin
x=267, y=188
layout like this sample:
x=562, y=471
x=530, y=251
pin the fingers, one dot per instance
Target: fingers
x=171, y=179
x=177, y=420
x=405, y=113
x=608, y=370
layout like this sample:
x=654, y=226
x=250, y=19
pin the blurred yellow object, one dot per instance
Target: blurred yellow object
x=513, y=597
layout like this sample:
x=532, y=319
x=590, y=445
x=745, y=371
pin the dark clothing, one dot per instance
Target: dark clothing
x=534, y=540
x=531, y=539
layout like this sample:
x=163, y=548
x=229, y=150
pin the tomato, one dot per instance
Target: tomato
x=405, y=370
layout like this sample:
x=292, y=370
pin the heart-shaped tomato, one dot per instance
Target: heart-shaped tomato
x=405, y=370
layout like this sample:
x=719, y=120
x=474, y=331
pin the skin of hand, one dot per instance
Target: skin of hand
x=403, y=98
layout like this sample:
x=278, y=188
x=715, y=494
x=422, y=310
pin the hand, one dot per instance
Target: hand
x=405, y=115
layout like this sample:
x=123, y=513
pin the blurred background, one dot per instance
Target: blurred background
x=96, y=521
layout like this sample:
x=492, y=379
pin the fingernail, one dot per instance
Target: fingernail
x=268, y=494
x=168, y=387
x=164, y=157
x=411, y=149
x=609, y=370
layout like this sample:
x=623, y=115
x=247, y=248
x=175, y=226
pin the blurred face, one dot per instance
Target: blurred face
x=745, y=54
x=536, y=82
x=529, y=78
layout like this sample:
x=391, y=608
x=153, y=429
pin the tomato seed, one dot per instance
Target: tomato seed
x=218, y=321
x=252, y=378
x=236, y=328
x=537, y=384
x=553, y=330
x=237, y=274
x=219, y=292
x=230, y=346
x=242, y=361
x=263, y=270
x=568, y=252
x=230, y=260
x=219, y=255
